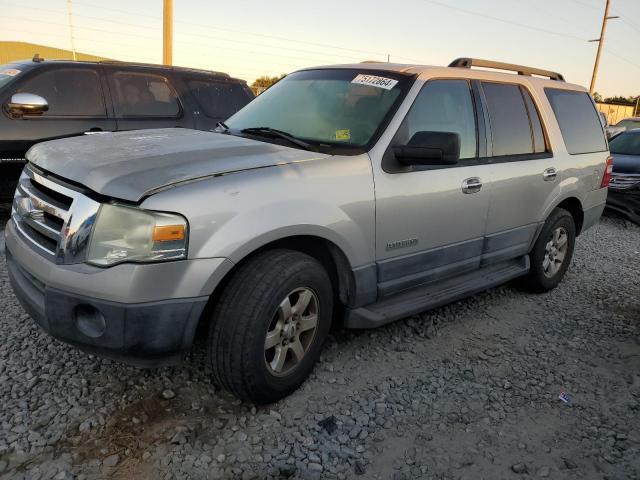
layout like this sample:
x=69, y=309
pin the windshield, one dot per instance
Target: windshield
x=339, y=108
x=629, y=124
x=625, y=144
x=8, y=73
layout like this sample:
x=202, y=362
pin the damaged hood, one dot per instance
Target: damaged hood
x=135, y=164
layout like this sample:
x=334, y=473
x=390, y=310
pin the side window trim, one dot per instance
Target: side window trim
x=119, y=116
x=482, y=120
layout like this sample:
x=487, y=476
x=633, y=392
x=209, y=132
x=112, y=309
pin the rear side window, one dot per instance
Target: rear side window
x=70, y=92
x=140, y=94
x=578, y=119
x=510, y=126
x=219, y=100
x=539, y=144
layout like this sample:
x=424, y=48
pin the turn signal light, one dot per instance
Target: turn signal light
x=606, y=178
x=168, y=233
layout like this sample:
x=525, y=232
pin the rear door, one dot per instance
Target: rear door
x=216, y=99
x=144, y=98
x=525, y=176
x=77, y=104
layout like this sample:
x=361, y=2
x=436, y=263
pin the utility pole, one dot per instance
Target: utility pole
x=600, y=43
x=73, y=40
x=167, y=33
x=635, y=110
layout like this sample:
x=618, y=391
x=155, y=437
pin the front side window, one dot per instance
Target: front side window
x=140, y=94
x=578, y=119
x=219, y=100
x=70, y=92
x=510, y=128
x=333, y=108
x=443, y=106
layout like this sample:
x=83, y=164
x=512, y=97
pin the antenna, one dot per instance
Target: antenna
x=73, y=40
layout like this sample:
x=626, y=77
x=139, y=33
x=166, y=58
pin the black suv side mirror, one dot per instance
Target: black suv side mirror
x=430, y=148
x=22, y=104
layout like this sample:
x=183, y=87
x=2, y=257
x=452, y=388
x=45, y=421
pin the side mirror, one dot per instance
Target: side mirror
x=26, y=104
x=430, y=148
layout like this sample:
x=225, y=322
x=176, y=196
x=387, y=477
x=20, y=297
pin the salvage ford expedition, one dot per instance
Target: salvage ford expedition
x=356, y=194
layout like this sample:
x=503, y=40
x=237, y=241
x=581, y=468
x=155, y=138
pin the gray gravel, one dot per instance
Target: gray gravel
x=468, y=391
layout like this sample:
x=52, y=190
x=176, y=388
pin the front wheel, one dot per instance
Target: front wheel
x=269, y=325
x=552, y=252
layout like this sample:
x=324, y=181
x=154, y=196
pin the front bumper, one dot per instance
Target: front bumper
x=108, y=311
x=626, y=203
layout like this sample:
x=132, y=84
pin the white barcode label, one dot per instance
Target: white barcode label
x=374, y=81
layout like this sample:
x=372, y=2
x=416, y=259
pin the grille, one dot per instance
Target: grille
x=624, y=182
x=51, y=216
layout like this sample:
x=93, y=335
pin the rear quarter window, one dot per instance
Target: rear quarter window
x=219, y=100
x=578, y=120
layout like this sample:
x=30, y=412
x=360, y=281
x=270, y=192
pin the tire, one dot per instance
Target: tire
x=253, y=309
x=546, y=272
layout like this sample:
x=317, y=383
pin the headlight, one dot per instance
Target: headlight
x=124, y=234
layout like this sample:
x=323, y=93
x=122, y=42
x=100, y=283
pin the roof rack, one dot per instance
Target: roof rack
x=167, y=67
x=522, y=70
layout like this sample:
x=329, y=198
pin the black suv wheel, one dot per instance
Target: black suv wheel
x=269, y=325
x=552, y=252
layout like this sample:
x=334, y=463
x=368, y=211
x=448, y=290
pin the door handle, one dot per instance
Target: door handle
x=550, y=174
x=471, y=185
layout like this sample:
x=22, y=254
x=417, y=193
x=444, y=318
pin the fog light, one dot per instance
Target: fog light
x=89, y=321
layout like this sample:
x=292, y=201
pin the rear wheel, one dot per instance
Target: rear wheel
x=552, y=252
x=269, y=325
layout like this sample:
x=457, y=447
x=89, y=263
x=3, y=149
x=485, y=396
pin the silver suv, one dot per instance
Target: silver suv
x=354, y=195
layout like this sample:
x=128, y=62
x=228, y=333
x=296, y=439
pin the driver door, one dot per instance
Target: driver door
x=430, y=220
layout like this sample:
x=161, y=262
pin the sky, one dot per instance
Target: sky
x=249, y=38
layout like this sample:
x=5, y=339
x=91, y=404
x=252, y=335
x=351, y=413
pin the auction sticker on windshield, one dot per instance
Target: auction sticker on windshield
x=374, y=81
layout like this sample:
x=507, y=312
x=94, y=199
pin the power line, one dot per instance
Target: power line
x=263, y=35
x=505, y=20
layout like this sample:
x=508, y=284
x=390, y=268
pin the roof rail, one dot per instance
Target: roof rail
x=522, y=70
x=166, y=67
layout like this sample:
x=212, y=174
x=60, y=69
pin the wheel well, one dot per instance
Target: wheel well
x=327, y=253
x=574, y=207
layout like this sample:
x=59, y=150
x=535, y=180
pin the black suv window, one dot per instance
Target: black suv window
x=511, y=130
x=578, y=119
x=219, y=100
x=139, y=94
x=70, y=92
x=443, y=106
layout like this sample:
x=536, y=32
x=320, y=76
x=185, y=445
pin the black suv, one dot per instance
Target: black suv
x=43, y=100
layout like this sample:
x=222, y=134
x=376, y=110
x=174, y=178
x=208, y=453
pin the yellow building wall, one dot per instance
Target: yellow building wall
x=615, y=113
x=12, y=51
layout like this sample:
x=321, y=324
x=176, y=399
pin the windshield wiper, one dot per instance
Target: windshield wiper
x=223, y=127
x=272, y=132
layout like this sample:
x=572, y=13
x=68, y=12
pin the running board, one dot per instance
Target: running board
x=435, y=294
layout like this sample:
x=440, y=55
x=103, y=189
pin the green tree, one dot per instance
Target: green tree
x=597, y=97
x=260, y=84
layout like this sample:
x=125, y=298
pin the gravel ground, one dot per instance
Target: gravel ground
x=467, y=391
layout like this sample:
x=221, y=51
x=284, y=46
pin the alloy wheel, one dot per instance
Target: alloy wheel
x=291, y=332
x=555, y=252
